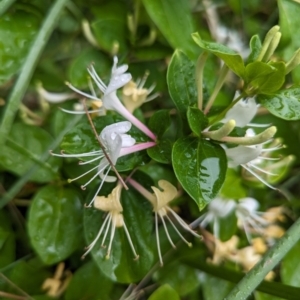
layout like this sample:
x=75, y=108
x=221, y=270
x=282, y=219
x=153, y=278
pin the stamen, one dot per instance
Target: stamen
x=87, y=154
x=70, y=180
x=106, y=231
x=91, y=246
x=75, y=112
x=167, y=232
x=81, y=93
x=91, y=87
x=130, y=241
x=98, y=172
x=157, y=241
x=90, y=161
x=178, y=232
x=112, y=234
x=261, y=170
x=150, y=98
x=100, y=84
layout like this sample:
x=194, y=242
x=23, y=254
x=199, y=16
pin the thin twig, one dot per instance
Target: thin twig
x=102, y=147
x=12, y=296
x=15, y=286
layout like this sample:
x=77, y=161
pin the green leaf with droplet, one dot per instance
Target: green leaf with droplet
x=197, y=120
x=23, y=149
x=121, y=265
x=284, y=104
x=182, y=83
x=232, y=59
x=164, y=292
x=200, y=166
x=55, y=223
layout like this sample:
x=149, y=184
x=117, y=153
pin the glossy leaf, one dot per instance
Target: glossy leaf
x=197, y=120
x=17, y=31
x=255, y=46
x=24, y=147
x=162, y=152
x=55, y=223
x=181, y=82
x=264, y=78
x=121, y=265
x=232, y=59
x=164, y=292
x=175, y=22
x=200, y=166
x=81, y=139
x=89, y=283
x=159, y=122
x=284, y=104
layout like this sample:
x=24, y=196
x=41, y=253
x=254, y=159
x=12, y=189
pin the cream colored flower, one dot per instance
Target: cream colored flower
x=114, y=219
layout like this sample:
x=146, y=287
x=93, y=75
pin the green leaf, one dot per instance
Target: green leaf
x=81, y=139
x=232, y=59
x=111, y=26
x=162, y=152
x=121, y=265
x=264, y=78
x=24, y=147
x=200, y=166
x=77, y=72
x=182, y=83
x=228, y=226
x=174, y=20
x=164, y=292
x=17, y=31
x=55, y=222
x=255, y=46
x=7, y=241
x=197, y=120
x=290, y=267
x=284, y=104
x=159, y=122
x=89, y=283
x=264, y=296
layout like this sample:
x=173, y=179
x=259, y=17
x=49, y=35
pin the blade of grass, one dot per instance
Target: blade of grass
x=28, y=68
x=257, y=274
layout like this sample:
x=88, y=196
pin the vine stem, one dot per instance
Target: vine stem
x=28, y=68
x=257, y=274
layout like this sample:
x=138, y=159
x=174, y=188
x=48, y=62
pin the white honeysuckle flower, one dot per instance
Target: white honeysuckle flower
x=248, y=217
x=114, y=219
x=160, y=201
x=110, y=100
x=116, y=143
x=251, y=157
x=218, y=208
x=134, y=94
x=242, y=112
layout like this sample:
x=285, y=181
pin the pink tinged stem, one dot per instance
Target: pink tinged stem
x=135, y=148
x=136, y=122
x=140, y=189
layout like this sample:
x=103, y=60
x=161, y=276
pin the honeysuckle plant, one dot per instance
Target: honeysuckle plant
x=211, y=161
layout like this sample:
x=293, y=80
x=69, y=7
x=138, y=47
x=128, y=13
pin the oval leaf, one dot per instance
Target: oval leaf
x=55, y=221
x=200, y=166
x=285, y=104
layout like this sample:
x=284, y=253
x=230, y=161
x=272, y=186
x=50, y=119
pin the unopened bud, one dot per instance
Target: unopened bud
x=272, y=47
x=293, y=62
x=87, y=32
x=267, y=41
x=222, y=132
